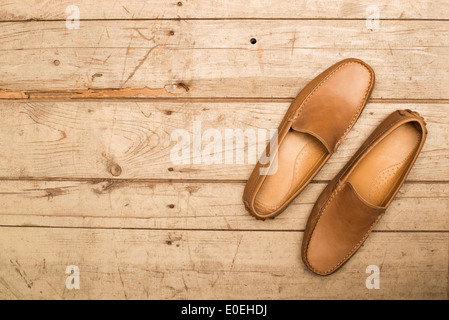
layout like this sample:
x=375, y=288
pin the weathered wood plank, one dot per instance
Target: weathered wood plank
x=59, y=205
x=232, y=34
x=140, y=264
x=132, y=140
x=155, y=9
x=288, y=54
x=126, y=204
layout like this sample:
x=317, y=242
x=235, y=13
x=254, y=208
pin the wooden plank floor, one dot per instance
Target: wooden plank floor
x=86, y=118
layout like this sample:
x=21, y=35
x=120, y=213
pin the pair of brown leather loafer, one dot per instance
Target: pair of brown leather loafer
x=355, y=200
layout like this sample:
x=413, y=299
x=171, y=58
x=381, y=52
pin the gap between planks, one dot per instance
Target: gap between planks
x=59, y=96
x=180, y=181
x=225, y=19
x=205, y=229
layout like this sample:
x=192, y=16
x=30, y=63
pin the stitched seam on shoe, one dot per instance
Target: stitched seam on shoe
x=300, y=109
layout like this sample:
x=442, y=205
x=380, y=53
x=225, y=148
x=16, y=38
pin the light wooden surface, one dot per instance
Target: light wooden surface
x=215, y=59
x=85, y=122
x=216, y=9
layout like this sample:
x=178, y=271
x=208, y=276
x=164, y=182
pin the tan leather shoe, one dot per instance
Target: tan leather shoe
x=355, y=200
x=311, y=131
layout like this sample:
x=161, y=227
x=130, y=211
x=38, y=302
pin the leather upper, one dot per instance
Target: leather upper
x=325, y=109
x=334, y=105
x=341, y=219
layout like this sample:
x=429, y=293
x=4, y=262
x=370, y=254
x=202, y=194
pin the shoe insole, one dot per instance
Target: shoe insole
x=298, y=156
x=379, y=173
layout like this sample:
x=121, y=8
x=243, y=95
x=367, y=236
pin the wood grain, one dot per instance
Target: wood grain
x=91, y=139
x=200, y=205
x=141, y=264
x=232, y=34
x=285, y=9
x=409, y=57
x=86, y=117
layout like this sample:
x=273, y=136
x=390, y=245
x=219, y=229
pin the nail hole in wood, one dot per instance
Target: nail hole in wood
x=253, y=40
x=184, y=86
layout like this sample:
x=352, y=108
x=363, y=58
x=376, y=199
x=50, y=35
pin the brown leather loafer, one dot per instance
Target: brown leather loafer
x=355, y=200
x=311, y=131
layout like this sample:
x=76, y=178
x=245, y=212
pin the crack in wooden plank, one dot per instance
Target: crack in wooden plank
x=236, y=252
x=164, y=95
x=138, y=66
x=142, y=35
x=22, y=273
x=86, y=93
x=293, y=43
